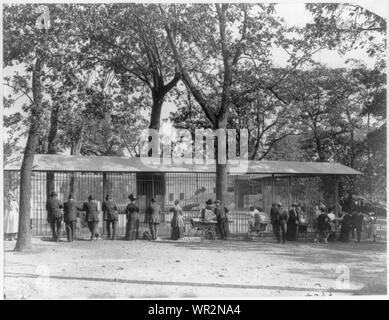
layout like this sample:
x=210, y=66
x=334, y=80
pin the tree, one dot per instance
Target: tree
x=31, y=48
x=128, y=39
x=347, y=27
x=213, y=44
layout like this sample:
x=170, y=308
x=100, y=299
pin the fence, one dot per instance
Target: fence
x=192, y=189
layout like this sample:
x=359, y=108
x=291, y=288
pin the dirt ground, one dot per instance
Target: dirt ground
x=193, y=269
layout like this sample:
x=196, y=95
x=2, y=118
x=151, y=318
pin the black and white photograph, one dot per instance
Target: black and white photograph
x=194, y=151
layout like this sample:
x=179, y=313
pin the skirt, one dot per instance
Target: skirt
x=178, y=227
x=11, y=221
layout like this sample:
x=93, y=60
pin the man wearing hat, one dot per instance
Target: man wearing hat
x=358, y=224
x=70, y=208
x=345, y=227
x=275, y=221
x=54, y=215
x=222, y=220
x=132, y=214
x=153, y=218
x=110, y=215
x=92, y=217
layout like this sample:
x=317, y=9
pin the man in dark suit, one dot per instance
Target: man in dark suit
x=132, y=214
x=222, y=220
x=354, y=222
x=345, y=228
x=358, y=223
x=54, y=215
x=70, y=208
x=153, y=218
x=92, y=217
x=109, y=208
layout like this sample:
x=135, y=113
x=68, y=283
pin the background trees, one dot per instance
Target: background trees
x=102, y=72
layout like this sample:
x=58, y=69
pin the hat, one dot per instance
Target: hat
x=371, y=213
x=153, y=200
x=209, y=201
x=295, y=204
x=52, y=194
x=218, y=202
x=279, y=204
x=70, y=196
x=252, y=207
x=131, y=197
x=91, y=197
x=108, y=196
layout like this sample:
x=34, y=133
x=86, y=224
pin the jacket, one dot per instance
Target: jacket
x=283, y=216
x=53, y=207
x=110, y=210
x=153, y=212
x=132, y=212
x=274, y=215
x=90, y=208
x=221, y=213
x=70, y=210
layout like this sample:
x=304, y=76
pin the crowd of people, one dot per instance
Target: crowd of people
x=56, y=212
x=286, y=225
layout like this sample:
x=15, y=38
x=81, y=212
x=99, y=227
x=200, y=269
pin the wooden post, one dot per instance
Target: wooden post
x=289, y=193
x=272, y=189
x=336, y=196
x=106, y=190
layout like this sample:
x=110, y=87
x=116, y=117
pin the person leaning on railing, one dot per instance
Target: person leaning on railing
x=110, y=217
x=70, y=209
x=54, y=215
x=222, y=219
x=92, y=217
x=152, y=217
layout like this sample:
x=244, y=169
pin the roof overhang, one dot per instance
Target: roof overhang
x=68, y=163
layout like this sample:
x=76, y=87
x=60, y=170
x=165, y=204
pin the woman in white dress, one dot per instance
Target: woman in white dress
x=11, y=217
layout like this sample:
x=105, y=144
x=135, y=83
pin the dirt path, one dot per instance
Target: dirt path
x=165, y=269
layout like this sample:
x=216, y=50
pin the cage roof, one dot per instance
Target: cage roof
x=45, y=162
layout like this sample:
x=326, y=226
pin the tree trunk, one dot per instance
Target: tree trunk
x=352, y=147
x=221, y=183
x=75, y=150
x=24, y=229
x=155, y=118
x=221, y=168
x=52, y=147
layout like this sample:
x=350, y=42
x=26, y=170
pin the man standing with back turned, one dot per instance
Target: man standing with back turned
x=54, y=215
x=109, y=208
x=70, y=208
x=275, y=221
x=153, y=218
